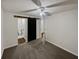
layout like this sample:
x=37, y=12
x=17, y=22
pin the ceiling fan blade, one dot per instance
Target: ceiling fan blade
x=37, y=2
x=66, y=2
x=28, y=11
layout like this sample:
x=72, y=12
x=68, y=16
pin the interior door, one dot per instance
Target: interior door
x=31, y=29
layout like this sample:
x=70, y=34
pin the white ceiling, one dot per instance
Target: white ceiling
x=22, y=5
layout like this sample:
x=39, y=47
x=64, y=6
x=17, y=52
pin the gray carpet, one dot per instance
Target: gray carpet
x=36, y=50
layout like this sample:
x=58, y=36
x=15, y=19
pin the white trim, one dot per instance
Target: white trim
x=63, y=48
x=11, y=46
x=2, y=50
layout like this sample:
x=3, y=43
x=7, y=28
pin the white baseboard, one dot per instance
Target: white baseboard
x=11, y=46
x=2, y=50
x=62, y=48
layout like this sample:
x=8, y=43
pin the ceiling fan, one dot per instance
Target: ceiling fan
x=42, y=9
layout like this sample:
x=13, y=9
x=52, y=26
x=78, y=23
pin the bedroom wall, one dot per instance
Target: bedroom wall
x=38, y=28
x=9, y=30
x=61, y=30
x=1, y=32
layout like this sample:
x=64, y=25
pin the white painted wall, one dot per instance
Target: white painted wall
x=9, y=30
x=2, y=49
x=38, y=27
x=61, y=30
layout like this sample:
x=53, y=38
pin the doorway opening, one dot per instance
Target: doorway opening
x=31, y=29
x=28, y=29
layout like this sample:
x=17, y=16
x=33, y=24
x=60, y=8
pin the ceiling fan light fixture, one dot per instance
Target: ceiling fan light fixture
x=42, y=14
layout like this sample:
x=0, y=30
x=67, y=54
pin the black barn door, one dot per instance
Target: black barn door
x=31, y=29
